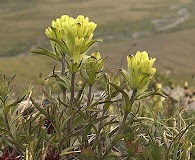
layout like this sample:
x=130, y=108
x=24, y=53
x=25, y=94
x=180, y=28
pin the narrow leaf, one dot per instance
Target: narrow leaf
x=40, y=109
x=46, y=52
x=61, y=44
x=63, y=80
x=86, y=47
x=127, y=100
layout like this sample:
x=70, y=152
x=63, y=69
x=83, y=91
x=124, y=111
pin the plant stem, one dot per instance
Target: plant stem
x=89, y=94
x=11, y=135
x=89, y=100
x=63, y=73
x=72, y=91
x=63, y=65
x=8, y=127
x=133, y=96
x=122, y=125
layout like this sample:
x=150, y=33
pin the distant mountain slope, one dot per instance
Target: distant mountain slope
x=174, y=53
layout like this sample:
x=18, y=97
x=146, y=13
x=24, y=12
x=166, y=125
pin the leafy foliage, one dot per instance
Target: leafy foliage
x=75, y=124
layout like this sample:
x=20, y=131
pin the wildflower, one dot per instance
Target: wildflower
x=94, y=65
x=140, y=71
x=72, y=36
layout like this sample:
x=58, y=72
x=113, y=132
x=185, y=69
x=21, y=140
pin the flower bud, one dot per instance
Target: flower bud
x=140, y=71
x=94, y=65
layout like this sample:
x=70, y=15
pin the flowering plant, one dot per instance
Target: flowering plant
x=76, y=124
x=139, y=72
x=71, y=36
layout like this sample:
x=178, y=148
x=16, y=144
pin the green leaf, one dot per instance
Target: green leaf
x=67, y=150
x=80, y=92
x=176, y=151
x=49, y=97
x=119, y=137
x=86, y=47
x=46, y=52
x=113, y=155
x=61, y=44
x=80, y=124
x=86, y=132
x=102, y=102
x=41, y=109
x=156, y=152
x=150, y=93
x=128, y=104
x=63, y=80
x=58, y=54
x=125, y=74
x=108, y=143
x=7, y=108
x=98, y=119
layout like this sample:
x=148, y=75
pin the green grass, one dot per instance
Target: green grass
x=28, y=69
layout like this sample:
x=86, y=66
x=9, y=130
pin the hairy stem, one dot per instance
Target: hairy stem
x=63, y=68
x=89, y=94
x=122, y=125
x=72, y=92
x=89, y=100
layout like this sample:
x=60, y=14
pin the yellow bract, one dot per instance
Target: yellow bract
x=71, y=36
x=140, y=71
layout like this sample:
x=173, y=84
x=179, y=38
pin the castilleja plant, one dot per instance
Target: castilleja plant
x=92, y=71
x=72, y=37
x=77, y=125
x=140, y=71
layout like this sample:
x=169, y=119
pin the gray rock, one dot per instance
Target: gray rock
x=176, y=93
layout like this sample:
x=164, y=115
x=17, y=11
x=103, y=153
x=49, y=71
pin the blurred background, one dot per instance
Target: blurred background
x=164, y=28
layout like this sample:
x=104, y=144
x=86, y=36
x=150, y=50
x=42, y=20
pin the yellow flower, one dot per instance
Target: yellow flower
x=140, y=71
x=72, y=36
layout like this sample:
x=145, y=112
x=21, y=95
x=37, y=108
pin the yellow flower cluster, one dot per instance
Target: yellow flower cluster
x=71, y=36
x=140, y=71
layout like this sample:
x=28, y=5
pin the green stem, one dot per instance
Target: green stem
x=63, y=65
x=89, y=94
x=89, y=100
x=63, y=73
x=11, y=135
x=120, y=130
x=133, y=96
x=8, y=127
x=72, y=91
x=122, y=125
